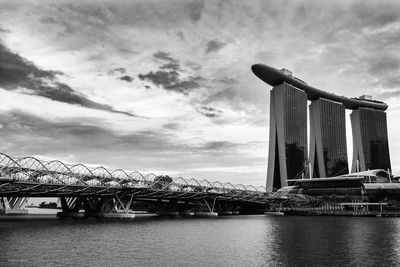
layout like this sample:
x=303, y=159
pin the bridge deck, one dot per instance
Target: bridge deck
x=30, y=177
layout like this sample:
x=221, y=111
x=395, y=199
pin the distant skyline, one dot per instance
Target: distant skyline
x=166, y=86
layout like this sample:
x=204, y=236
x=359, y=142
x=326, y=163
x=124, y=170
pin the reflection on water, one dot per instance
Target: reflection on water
x=223, y=241
x=336, y=241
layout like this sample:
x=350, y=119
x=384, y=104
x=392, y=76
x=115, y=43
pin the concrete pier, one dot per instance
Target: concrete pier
x=206, y=213
x=274, y=213
x=167, y=213
x=117, y=215
x=13, y=211
x=226, y=212
x=109, y=215
x=74, y=215
x=130, y=215
x=187, y=213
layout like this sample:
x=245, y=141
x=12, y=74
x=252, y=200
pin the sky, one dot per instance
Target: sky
x=166, y=86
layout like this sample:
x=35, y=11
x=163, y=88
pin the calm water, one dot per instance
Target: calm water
x=223, y=241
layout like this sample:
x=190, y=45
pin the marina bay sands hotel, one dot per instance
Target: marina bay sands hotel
x=288, y=146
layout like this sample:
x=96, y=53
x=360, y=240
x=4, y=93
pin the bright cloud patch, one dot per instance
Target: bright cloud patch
x=167, y=86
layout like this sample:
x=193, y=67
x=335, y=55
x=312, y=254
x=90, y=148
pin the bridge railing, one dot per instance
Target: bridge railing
x=33, y=170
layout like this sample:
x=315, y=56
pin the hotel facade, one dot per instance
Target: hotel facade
x=288, y=156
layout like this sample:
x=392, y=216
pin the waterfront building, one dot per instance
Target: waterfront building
x=370, y=139
x=328, y=153
x=328, y=156
x=287, y=136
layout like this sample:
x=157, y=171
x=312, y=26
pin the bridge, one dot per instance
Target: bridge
x=98, y=191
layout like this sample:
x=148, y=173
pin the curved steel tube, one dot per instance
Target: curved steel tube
x=57, y=178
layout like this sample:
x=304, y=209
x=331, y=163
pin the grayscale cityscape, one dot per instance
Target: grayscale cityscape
x=199, y=133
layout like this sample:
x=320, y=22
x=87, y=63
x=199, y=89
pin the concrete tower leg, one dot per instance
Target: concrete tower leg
x=287, y=135
x=209, y=208
x=277, y=170
x=316, y=145
x=371, y=146
x=13, y=205
x=71, y=207
x=358, y=147
x=328, y=153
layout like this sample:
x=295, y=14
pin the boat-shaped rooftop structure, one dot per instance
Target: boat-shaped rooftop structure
x=273, y=77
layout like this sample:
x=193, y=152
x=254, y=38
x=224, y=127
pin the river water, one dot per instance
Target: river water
x=223, y=241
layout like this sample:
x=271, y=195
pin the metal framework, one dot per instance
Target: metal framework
x=31, y=177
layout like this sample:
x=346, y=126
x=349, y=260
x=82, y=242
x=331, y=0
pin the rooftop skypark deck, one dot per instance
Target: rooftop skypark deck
x=273, y=77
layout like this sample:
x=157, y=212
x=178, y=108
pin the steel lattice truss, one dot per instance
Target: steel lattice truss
x=29, y=176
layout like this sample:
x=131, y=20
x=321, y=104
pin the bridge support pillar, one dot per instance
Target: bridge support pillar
x=206, y=213
x=120, y=208
x=169, y=208
x=71, y=207
x=115, y=207
x=13, y=205
x=209, y=209
x=98, y=207
x=226, y=208
x=184, y=209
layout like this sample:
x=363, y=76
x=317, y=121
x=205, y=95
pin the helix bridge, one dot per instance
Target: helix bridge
x=78, y=185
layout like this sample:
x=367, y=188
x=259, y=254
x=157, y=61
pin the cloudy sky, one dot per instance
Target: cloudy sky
x=166, y=86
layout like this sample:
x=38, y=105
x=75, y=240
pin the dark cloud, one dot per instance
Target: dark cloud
x=378, y=65
x=16, y=72
x=163, y=56
x=181, y=36
x=70, y=17
x=184, y=86
x=228, y=80
x=169, y=80
x=195, y=9
x=193, y=65
x=375, y=14
x=209, y=112
x=24, y=133
x=172, y=66
x=388, y=82
x=172, y=126
x=48, y=20
x=127, y=51
x=169, y=62
x=121, y=70
x=392, y=81
x=381, y=66
x=161, y=78
x=4, y=30
x=168, y=77
x=220, y=145
x=390, y=94
x=69, y=135
x=227, y=95
x=214, y=45
x=126, y=78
